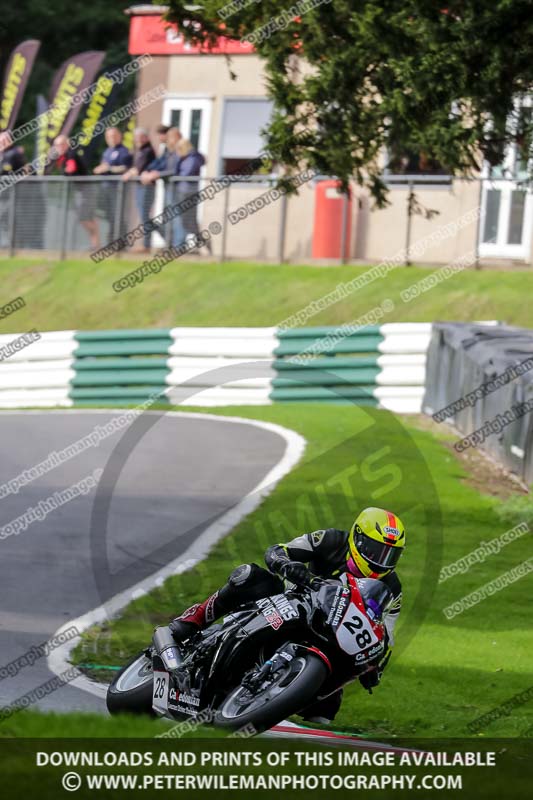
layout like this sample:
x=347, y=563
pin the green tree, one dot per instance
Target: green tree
x=350, y=78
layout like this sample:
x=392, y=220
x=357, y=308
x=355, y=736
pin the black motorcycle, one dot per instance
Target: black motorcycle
x=269, y=660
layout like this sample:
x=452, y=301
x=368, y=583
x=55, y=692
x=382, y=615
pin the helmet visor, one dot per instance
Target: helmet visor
x=379, y=555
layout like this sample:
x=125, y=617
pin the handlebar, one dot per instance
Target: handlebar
x=314, y=583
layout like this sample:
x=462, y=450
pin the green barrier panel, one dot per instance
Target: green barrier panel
x=337, y=366
x=321, y=393
x=126, y=377
x=120, y=335
x=321, y=331
x=118, y=392
x=117, y=403
x=326, y=362
x=114, y=367
x=126, y=347
x=332, y=401
x=96, y=364
x=347, y=344
x=333, y=377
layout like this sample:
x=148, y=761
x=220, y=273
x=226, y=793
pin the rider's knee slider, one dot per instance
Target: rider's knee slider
x=241, y=575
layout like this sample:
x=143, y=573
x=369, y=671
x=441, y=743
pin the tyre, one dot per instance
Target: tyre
x=290, y=689
x=130, y=691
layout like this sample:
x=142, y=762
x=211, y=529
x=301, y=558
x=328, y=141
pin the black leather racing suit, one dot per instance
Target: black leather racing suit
x=325, y=552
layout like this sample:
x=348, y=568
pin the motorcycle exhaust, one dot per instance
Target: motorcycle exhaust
x=166, y=648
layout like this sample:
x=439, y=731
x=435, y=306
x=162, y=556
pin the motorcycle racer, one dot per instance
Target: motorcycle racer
x=371, y=549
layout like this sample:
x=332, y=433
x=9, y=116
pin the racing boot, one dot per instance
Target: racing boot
x=195, y=618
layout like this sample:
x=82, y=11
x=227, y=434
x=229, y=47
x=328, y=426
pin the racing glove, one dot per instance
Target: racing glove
x=370, y=679
x=296, y=572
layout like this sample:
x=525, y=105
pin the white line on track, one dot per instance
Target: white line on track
x=58, y=660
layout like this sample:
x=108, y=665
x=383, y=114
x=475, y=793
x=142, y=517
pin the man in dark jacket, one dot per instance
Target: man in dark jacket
x=189, y=166
x=371, y=549
x=144, y=195
x=11, y=160
x=164, y=166
x=116, y=160
x=11, y=155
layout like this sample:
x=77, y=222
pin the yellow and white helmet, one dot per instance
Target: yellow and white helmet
x=376, y=542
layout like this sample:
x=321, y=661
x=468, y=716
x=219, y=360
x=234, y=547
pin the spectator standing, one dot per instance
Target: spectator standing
x=189, y=165
x=144, y=194
x=66, y=161
x=11, y=159
x=11, y=155
x=162, y=146
x=164, y=166
x=116, y=160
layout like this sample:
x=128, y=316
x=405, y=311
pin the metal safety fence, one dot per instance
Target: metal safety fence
x=428, y=220
x=82, y=214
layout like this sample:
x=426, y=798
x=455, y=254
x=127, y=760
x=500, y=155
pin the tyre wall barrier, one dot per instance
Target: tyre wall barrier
x=483, y=373
x=378, y=365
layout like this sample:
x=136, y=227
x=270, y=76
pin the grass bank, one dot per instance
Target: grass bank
x=78, y=294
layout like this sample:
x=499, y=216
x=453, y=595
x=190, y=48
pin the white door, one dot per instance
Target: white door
x=192, y=115
x=507, y=204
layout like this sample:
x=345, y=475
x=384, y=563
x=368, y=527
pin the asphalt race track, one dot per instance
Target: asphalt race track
x=181, y=474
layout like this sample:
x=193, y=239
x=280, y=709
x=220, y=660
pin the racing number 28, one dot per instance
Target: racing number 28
x=159, y=688
x=353, y=625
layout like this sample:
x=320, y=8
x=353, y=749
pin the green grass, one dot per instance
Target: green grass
x=78, y=294
x=36, y=725
x=443, y=673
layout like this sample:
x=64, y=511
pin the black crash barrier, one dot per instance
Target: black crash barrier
x=462, y=357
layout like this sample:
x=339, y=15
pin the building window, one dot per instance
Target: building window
x=196, y=124
x=407, y=165
x=241, y=140
x=175, y=118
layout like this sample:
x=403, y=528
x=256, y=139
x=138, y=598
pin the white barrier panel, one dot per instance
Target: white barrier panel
x=215, y=362
x=45, y=336
x=35, y=398
x=401, y=376
x=227, y=347
x=37, y=379
x=19, y=367
x=402, y=360
x=223, y=333
x=405, y=343
x=395, y=328
x=206, y=378
x=50, y=347
x=402, y=405
x=400, y=399
x=220, y=396
x=224, y=342
x=384, y=392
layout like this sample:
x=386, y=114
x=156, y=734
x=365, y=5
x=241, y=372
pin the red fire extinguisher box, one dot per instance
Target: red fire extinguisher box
x=329, y=215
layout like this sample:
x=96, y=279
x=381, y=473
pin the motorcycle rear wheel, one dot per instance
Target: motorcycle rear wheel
x=130, y=691
x=291, y=690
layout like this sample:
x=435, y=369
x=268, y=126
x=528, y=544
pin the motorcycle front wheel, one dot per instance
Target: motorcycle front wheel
x=130, y=691
x=288, y=691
